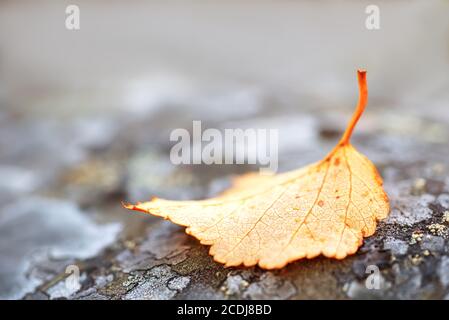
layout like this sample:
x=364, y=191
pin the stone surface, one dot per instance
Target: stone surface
x=76, y=141
x=78, y=220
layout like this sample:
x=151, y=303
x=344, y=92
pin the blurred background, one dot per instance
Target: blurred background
x=85, y=115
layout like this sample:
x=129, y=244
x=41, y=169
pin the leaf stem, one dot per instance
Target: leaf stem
x=363, y=98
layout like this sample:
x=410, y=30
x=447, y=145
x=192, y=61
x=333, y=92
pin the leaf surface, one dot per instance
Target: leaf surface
x=324, y=208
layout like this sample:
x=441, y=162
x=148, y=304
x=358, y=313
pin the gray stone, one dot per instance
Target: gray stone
x=160, y=283
x=270, y=286
x=178, y=283
x=432, y=243
x=409, y=210
x=397, y=247
x=65, y=289
x=359, y=290
x=443, y=271
x=37, y=229
x=443, y=200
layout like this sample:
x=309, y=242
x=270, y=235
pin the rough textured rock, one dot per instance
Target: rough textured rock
x=154, y=259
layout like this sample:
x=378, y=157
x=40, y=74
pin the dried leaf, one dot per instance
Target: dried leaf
x=325, y=208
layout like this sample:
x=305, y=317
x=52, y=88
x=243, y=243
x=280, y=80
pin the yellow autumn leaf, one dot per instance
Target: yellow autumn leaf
x=324, y=208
